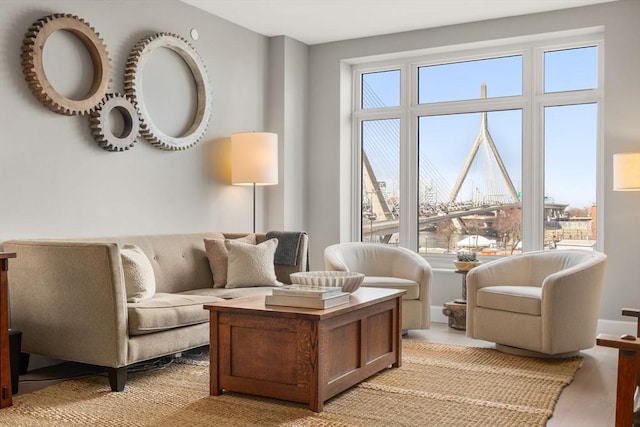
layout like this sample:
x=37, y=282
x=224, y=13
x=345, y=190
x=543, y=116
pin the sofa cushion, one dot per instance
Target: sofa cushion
x=168, y=311
x=412, y=288
x=139, y=279
x=518, y=299
x=226, y=293
x=251, y=265
x=218, y=257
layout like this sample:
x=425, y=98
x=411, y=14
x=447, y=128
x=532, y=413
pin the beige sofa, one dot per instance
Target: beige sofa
x=68, y=298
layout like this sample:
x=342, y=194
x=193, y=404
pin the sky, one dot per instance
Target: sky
x=445, y=140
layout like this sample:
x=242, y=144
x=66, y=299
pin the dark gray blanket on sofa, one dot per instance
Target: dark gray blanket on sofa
x=288, y=244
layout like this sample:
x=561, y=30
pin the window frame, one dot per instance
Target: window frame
x=532, y=102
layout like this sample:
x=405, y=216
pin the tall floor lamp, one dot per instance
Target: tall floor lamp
x=254, y=161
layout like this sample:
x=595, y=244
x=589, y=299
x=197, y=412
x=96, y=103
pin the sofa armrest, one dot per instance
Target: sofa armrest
x=69, y=300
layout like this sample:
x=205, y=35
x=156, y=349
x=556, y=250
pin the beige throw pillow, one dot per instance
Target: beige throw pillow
x=251, y=265
x=139, y=279
x=218, y=255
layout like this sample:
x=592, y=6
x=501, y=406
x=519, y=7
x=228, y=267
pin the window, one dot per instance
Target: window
x=462, y=80
x=484, y=151
x=381, y=89
x=466, y=177
x=380, y=176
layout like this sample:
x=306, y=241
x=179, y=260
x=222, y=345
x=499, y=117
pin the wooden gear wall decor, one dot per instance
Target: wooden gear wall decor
x=138, y=56
x=99, y=123
x=33, y=66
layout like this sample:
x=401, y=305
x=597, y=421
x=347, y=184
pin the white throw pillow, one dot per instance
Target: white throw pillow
x=250, y=265
x=139, y=278
x=218, y=257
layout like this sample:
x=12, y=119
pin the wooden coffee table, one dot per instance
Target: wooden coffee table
x=300, y=354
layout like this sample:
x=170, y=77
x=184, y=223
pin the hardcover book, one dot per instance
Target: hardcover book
x=307, y=291
x=306, y=302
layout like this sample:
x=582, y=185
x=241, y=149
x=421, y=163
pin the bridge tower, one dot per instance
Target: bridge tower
x=505, y=193
x=370, y=186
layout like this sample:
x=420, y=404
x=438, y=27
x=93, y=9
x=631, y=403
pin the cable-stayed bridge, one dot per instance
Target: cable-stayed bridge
x=482, y=187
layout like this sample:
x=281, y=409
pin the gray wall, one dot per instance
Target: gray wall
x=57, y=182
x=329, y=175
x=287, y=115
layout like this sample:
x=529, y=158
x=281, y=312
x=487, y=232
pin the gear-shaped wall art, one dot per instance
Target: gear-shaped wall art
x=33, y=67
x=133, y=87
x=100, y=124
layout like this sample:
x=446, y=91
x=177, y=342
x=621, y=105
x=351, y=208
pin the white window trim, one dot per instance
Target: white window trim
x=532, y=102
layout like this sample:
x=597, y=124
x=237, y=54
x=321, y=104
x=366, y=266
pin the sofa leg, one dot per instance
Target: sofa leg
x=24, y=363
x=117, y=378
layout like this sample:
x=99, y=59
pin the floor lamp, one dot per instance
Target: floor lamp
x=626, y=177
x=254, y=161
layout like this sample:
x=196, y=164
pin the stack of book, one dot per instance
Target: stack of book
x=307, y=296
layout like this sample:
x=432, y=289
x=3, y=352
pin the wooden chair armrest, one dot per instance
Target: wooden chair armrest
x=633, y=312
x=621, y=343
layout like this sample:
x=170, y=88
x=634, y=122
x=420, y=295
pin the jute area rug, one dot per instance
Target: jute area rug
x=437, y=385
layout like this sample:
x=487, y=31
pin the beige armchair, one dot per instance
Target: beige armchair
x=386, y=266
x=541, y=303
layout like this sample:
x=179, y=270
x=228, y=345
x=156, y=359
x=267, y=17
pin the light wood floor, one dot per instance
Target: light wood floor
x=589, y=401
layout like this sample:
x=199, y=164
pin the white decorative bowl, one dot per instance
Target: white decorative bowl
x=349, y=281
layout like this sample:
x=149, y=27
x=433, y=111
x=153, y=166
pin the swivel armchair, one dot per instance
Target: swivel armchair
x=387, y=266
x=542, y=303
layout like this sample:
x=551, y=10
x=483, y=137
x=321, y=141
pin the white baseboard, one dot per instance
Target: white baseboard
x=616, y=327
x=613, y=327
x=437, y=316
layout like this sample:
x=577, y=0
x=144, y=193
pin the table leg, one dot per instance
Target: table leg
x=214, y=357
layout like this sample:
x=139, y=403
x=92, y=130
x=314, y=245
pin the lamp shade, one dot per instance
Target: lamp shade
x=254, y=158
x=626, y=172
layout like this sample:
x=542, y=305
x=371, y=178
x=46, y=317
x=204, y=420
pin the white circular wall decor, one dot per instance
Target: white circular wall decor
x=138, y=56
x=102, y=132
x=33, y=66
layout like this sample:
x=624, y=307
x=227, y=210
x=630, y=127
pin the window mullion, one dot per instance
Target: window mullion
x=533, y=152
x=356, y=180
x=533, y=178
x=408, y=161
